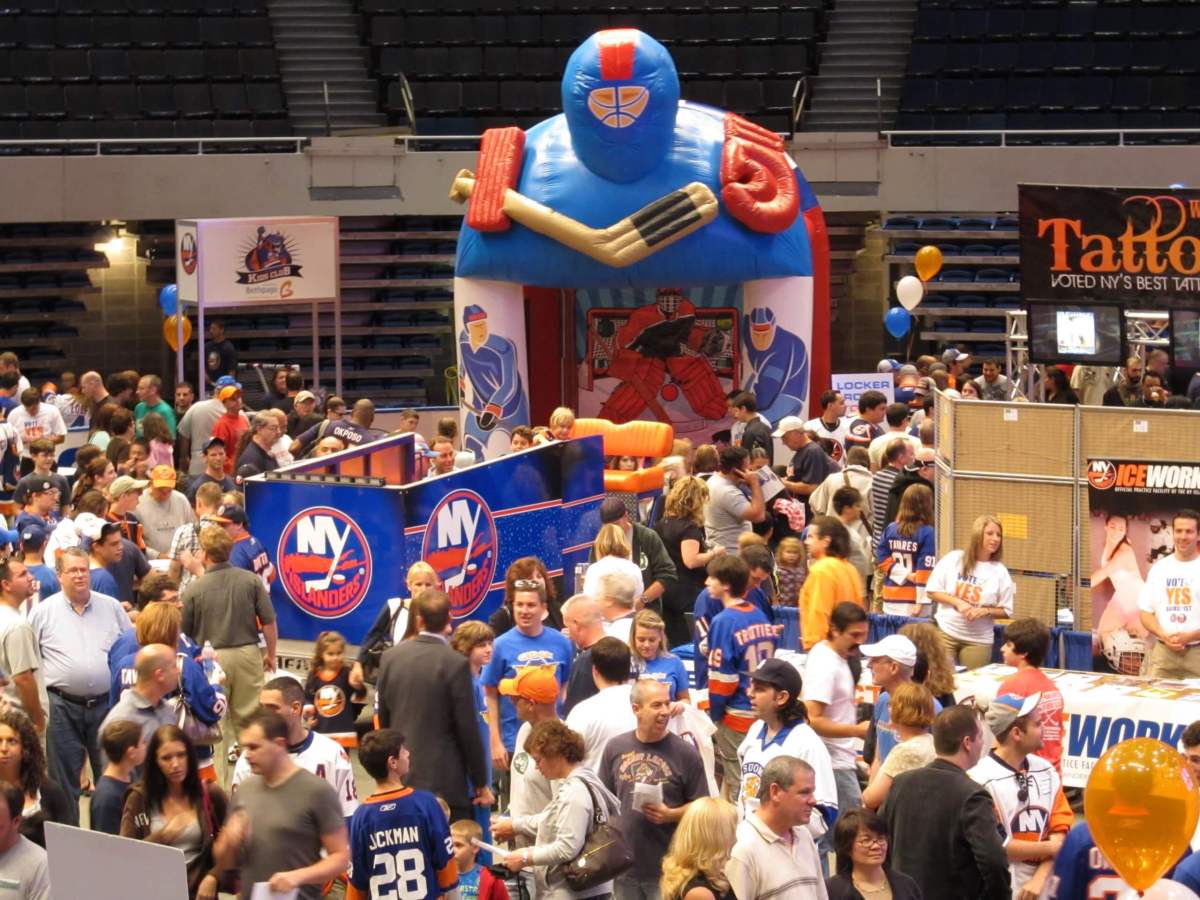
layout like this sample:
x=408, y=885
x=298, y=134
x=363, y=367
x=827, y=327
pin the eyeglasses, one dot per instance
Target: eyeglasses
x=867, y=841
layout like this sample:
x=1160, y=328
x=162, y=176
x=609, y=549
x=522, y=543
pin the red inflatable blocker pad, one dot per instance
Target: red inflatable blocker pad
x=757, y=183
x=501, y=154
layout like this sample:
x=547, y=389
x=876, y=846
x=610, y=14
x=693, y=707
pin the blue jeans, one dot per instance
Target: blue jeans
x=73, y=730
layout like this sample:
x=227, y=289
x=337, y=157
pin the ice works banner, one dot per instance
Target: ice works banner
x=1140, y=246
x=1131, y=503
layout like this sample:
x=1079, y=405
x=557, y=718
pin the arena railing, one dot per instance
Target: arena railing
x=1003, y=134
x=201, y=146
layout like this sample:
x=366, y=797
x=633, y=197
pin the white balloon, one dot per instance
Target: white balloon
x=910, y=291
x=1163, y=889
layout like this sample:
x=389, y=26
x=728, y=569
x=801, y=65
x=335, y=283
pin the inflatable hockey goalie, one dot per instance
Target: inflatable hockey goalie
x=630, y=187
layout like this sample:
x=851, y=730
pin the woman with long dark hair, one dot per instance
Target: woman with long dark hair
x=23, y=763
x=172, y=805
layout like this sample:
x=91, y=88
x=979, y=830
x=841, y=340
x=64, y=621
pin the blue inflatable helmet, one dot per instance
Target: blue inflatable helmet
x=620, y=93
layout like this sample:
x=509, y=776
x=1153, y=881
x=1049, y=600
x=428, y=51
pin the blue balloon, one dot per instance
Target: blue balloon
x=897, y=321
x=168, y=299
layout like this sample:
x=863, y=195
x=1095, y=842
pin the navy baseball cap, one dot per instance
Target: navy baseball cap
x=227, y=381
x=34, y=537
x=231, y=514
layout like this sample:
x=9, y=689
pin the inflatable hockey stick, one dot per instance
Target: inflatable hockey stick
x=650, y=229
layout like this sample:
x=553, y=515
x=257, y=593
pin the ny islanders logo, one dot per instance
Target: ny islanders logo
x=187, y=253
x=618, y=107
x=324, y=562
x=267, y=257
x=1102, y=474
x=461, y=545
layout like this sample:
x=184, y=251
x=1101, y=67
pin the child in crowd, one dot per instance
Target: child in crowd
x=790, y=570
x=474, y=881
x=125, y=749
x=158, y=436
x=335, y=690
x=624, y=463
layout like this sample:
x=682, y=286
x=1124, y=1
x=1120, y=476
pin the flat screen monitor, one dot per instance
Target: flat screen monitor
x=1091, y=334
x=1185, y=337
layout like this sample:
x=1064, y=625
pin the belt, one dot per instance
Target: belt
x=85, y=702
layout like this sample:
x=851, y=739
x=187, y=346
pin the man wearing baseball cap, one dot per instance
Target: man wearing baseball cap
x=41, y=499
x=215, y=455
x=1031, y=811
x=124, y=493
x=248, y=552
x=162, y=509
x=33, y=544
x=782, y=730
x=891, y=662
x=303, y=415
x=196, y=427
x=956, y=365
x=534, y=692
x=232, y=423
x=810, y=464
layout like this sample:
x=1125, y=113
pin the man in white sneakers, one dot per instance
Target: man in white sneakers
x=1032, y=813
x=775, y=856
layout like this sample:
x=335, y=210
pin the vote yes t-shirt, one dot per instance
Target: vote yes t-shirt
x=1171, y=594
x=988, y=584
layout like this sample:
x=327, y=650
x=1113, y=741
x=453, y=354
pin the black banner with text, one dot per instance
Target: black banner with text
x=1136, y=246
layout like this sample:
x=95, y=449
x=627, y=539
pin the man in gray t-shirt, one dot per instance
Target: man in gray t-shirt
x=729, y=510
x=282, y=818
x=21, y=861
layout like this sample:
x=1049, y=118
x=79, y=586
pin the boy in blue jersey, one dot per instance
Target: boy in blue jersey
x=1082, y=872
x=400, y=842
x=739, y=639
x=248, y=552
x=708, y=606
x=528, y=643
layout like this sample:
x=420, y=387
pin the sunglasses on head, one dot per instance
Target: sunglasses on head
x=526, y=584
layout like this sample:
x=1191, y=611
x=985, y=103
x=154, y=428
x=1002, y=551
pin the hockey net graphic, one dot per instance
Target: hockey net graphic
x=604, y=324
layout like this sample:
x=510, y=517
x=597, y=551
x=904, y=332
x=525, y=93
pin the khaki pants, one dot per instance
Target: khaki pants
x=243, y=683
x=1167, y=663
x=968, y=654
x=727, y=743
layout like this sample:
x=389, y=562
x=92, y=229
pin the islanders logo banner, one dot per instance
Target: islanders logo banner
x=270, y=256
x=1133, y=245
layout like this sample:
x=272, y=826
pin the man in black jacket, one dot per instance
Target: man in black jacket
x=943, y=824
x=649, y=553
x=424, y=688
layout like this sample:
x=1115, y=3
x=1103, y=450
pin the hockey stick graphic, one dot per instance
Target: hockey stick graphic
x=457, y=580
x=322, y=584
x=654, y=226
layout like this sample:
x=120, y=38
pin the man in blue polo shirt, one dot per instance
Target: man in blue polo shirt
x=529, y=643
x=74, y=630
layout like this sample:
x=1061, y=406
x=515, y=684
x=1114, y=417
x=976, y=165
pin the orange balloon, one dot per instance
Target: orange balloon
x=929, y=262
x=169, y=329
x=1141, y=805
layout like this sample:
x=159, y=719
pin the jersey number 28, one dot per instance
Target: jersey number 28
x=402, y=876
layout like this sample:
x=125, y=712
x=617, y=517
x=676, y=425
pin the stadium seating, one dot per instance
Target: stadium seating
x=86, y=69
x=1038, y=65
x=479, y=65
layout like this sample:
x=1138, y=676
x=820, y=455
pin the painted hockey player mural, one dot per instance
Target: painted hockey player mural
x=632, y=189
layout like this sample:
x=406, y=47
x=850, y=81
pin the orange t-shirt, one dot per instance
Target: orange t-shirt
x=830, y=581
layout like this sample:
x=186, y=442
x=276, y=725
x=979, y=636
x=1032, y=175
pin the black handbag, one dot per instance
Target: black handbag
x=605, y=855
x=375, y=652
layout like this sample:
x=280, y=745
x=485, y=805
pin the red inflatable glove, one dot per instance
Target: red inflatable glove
x=758, y=186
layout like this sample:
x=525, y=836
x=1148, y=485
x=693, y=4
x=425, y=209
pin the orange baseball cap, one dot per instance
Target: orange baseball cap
x=229, y=391
x=536, y=684
x=162, y=476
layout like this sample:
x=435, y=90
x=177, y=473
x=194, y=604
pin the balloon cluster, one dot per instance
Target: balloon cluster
x=910, y=290
x=1141, y=806
x=168, y=302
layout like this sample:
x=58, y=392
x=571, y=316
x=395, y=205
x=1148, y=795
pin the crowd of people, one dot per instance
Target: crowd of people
x=138, y=652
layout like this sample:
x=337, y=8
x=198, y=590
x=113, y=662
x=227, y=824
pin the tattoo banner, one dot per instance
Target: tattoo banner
x=1137, y=246
x=1131, y=504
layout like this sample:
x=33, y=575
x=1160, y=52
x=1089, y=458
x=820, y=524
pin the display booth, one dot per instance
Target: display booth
x=343, y=529
x=693, y=249
x=250, y=264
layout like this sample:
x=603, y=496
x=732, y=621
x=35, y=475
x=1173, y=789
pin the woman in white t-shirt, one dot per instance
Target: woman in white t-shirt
x=972, y=589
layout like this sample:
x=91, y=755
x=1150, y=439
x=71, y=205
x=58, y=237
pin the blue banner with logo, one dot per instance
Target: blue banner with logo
x=341, y=551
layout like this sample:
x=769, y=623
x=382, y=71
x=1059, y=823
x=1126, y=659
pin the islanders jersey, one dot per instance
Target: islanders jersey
x=911, y=557
x=336, y=705
x=861, y=433
x=739, y=639
x=400, y=847
x=800, y=741
x=248, y=553
x=1081, y=871
x=1043, y=811
x=322, y=756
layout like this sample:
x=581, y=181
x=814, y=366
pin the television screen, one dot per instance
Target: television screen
x=1185, y=337
x=1084, y=334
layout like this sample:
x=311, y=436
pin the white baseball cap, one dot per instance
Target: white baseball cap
x=789, y=423
x=895, y=647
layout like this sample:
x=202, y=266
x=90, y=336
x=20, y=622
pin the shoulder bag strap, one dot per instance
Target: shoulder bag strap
x=596, y=819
